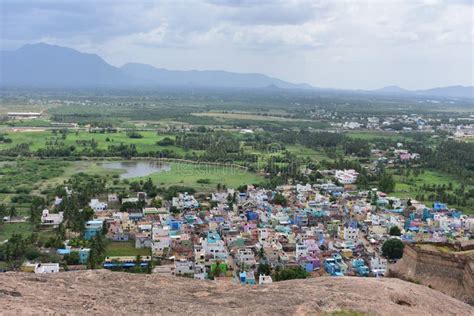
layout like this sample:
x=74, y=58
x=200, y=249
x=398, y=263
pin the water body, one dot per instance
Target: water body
x=137, y=168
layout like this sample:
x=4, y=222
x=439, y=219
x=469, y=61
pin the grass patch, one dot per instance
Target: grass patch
x=8, y=229
x=38, y=139
x=192, y=175
x=125, y=249
x=25, y=229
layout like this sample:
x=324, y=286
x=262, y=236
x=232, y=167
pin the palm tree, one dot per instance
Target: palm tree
x=12, y=212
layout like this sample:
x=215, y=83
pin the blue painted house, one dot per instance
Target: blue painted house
x=438, y=206
x=251, y=215
x=360, y=267
x=93, y=228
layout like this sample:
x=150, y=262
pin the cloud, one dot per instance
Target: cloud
x=322, y=35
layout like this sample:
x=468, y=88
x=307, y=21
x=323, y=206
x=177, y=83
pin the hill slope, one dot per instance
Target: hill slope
x=85, y=292
x=44, y=65
x=203, y=78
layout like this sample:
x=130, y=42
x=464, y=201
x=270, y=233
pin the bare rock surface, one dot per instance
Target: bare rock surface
x=105, y=292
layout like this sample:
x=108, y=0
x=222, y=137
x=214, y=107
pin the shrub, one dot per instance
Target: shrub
x=393, y=249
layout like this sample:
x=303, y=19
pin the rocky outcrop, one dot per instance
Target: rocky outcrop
x=104, y=292
x=450, y=272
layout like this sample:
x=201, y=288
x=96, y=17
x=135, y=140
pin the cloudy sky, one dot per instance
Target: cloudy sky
x=333, y=43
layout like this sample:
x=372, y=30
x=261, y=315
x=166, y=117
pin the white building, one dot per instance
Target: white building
x=245, y=256
x=215, y=249
x=158, y=246
x=301, y=251
x=183, y=267
x=264, y=279
x=97, y=206
x=185, y=201
x=263, y=235
x=51, y=219
x=378, y=266
x=347, y=176
x=351, y=233
x=47, y=268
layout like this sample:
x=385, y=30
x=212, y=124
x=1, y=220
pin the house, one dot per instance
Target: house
x=185, y=201
x=93, y=228
x=51, y=219
x=47, y=268
x=346, y=176
x=131, y=200
x=245, y=256
x=247, y=278
x=57, y=201
x=438, y=206
x=351, y=233
x=142, y=241
x=301, y=251
x=112, y=197
x=214, y=246
x=264, y=279
x=97, y=206
x=378, y=266
x=183, y=267
x=24, y=115
x=159, y=245
x=360, y=267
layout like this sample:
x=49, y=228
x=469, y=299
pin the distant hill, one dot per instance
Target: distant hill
x=50, y=66
x=204, y=78
x=44, y=65
x=392, y=89
x=451, y=91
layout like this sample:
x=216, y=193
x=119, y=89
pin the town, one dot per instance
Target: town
x=249, y=235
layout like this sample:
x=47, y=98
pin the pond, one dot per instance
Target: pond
x=134, y=169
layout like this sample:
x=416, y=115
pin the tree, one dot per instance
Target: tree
x=37, y=204
x=280, y=199
x=264, y=269
x=12, y=212
x=395, y=231
x=72, y=258
x=393, y=249
x=386, y=183
x=174, y=210
x=97, y=251
x=261, y=253
x=290, y=273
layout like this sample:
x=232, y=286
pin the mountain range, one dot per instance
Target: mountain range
x=51, y=66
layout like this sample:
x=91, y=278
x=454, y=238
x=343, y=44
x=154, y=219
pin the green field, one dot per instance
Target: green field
x=37, y=139
x=409, y=188
x=185, y=174
x=125, y=249
x=26, y=228
x=248, y=116
x=369, y=135
x=7, y=229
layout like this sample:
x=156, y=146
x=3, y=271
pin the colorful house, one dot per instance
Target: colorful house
x=93, y=228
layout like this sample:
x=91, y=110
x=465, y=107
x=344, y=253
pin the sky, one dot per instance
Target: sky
x=327, y=43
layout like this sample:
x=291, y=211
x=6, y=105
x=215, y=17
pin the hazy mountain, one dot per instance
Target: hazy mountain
x=204, y=78
x=451, y=91
x=392, y=89
x=44, y=65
